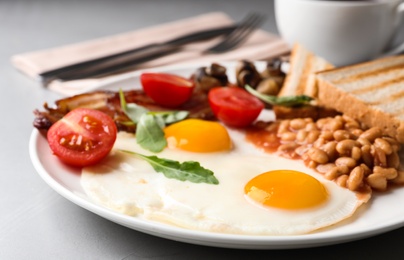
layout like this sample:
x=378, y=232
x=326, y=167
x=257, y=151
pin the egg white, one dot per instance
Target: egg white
x=130, y=186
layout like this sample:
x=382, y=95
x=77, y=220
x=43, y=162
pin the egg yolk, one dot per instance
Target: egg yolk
x=286, y=189
x=195, y=135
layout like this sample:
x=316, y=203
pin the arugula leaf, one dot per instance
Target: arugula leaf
x=170, y=117
x=149, y=134
x=122, y=99
x=187, y=171
x=288, y=101
x=150, y=124
x=133, y=111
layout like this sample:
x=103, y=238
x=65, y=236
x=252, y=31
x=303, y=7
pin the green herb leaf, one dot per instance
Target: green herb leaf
x=288, y=101
x=170, y=117
x=149, y=134
x=150, y=125
x=122, y=99
x=133, y=111
x=187, y=171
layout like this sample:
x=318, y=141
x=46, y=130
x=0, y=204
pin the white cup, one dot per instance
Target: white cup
x=342, y=32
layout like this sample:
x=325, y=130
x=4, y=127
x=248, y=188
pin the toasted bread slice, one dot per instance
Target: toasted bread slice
x=372, y=92
x=301, y=78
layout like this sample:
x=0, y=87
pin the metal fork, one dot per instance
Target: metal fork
x=234, y=39
x=239, y=35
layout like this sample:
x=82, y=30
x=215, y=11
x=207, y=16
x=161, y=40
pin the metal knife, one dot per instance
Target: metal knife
x=149, y=52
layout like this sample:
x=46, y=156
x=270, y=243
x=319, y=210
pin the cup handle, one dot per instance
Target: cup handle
x=400, y=48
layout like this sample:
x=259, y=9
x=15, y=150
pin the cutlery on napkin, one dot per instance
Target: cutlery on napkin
x=260, y=45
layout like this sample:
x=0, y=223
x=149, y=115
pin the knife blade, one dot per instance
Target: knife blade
x=142, y=54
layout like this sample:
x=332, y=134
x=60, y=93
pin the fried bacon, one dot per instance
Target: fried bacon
x=109, y=103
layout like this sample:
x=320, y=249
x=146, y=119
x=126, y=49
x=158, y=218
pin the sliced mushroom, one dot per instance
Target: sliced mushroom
x=246, y=73
x=206, y=78
x=273, y=70
x=269, y=86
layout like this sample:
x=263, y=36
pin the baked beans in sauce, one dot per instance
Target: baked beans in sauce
x=338, y=147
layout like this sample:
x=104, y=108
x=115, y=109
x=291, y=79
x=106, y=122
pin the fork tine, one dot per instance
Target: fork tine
x=245, y=28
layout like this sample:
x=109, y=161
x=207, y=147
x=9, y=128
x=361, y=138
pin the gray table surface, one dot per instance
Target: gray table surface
x=38, y=223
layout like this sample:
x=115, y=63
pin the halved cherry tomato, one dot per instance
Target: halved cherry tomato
x=234, y=106
x=167, y=89
x=82, y=137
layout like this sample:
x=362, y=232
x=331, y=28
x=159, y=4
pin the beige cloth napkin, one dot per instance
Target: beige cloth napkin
x=261, y=45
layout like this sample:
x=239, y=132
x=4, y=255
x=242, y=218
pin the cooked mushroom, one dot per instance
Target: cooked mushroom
x=206, y=78
x=273, y=70
x=269, y=86
x=246, y=73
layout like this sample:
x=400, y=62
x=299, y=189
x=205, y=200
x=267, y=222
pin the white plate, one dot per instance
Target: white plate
x=381, y=214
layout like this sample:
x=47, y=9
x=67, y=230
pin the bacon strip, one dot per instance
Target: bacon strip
x=109, y=103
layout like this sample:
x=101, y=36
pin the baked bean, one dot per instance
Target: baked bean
x=343, y=169
x=342, y=180
x=288, y=136
x=355, y=178
x=312, y=136
x=317, y=155
x=379, y=157
x=320, y=142
x=283, y=126
x=321, y=122
x=301, y=135
x=340, y=135
x=371, y=134
x=312, y=164
x=352, y=125
x=366, y=169
x=329, y=149
x=333, y=125
x=367, y=156
x=384, y=145
x=302, y=149
x=288, y=147
x=393, y=160
x=323, y=168
x=377, y=181
x=355, y=132
x=393, y=142
x=347, y=118
x=297, y=123
x=340, y=118
x=344, y=147
x=332, y=173
x=363, y=141
x=388, y=173
x=347, y=161
x=327, y=135
x=356, y=153
x=311, y=126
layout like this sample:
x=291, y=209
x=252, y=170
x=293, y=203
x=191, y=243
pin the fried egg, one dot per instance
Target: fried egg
x=258, y=193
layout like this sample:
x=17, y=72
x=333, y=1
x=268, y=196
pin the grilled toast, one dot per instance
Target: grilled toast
x=301, y=76
x=371, y=92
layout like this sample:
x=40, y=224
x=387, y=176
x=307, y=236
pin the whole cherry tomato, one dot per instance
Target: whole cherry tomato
x=82, y=137
x=234, y=106
x=167, y=89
